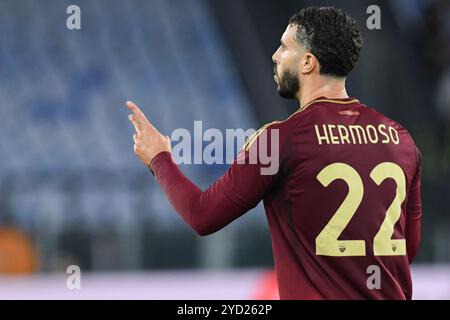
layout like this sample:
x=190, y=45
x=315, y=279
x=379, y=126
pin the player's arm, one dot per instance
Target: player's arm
x=238, y=190
x=414, y=213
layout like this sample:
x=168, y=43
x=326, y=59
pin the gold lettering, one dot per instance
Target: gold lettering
x=356, y=134
x=396, y=140
x=374, y=138
x=359, y=130
x=383, y=133
x=322, y=137
x=343, y=136
x=334, y=139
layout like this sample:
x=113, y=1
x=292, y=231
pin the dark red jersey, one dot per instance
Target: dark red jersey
x=342, y=200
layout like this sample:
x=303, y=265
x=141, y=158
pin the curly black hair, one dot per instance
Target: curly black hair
x=332, y=36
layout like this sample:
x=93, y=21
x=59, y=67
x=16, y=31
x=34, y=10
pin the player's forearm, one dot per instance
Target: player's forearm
x=206, y=212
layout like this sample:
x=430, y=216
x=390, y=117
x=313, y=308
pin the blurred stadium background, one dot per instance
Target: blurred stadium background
x=72, y=191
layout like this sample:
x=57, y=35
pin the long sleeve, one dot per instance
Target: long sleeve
x=241, y=188
x=414, y=213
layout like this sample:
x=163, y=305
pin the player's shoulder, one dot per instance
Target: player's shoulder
x=262, y=131
x=278, y=128
x=376, y=114
x=397, y=126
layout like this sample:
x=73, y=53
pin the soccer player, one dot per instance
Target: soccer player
x=344, y=206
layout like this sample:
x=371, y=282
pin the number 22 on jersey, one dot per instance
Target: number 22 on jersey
x=327, y=243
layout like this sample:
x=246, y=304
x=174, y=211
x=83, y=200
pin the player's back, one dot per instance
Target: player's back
x=344, y=202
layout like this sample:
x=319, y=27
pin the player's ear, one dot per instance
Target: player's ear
x=308, y=63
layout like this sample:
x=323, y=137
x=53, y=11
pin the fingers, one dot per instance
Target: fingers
x=136, y=142
x=135, y=147
x=135, y=109
x=136, y=123
x=140, y=116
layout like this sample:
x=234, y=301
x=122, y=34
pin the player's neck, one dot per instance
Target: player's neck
x=329, y=87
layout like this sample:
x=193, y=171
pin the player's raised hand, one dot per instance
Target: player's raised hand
x=148, y=141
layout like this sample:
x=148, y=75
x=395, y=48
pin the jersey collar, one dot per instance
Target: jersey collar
x=322, y=99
